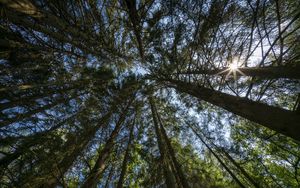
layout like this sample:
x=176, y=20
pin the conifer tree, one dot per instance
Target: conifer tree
x=163, y=93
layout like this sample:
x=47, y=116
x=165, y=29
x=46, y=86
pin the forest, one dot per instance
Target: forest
x=150, y=93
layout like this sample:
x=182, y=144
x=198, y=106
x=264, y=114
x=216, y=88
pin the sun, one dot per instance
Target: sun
x=234, y=66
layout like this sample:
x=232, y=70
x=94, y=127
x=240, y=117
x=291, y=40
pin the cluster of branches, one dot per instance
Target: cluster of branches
x=72, y=112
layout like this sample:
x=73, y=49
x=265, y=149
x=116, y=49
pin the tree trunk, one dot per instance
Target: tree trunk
x=135, y=20
x=178, y=169
x=292, y=72
x=219, y=159
x=108, y=180
x=255, y=184
x=126, y=158
x=283, y=121
x=96, y=172
x=242, y=170
x=170, y=183
x=19, y=10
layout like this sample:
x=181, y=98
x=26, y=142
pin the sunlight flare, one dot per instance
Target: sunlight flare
x=233, y=68
x=234, y=65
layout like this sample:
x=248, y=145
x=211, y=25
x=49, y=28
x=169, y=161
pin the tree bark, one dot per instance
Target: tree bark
x=126, y=158
x=178, y=169
x=170, y=183
x=18, y=12
x=135, y=20
x=292, y=72
x=242, y=170
x=218, y=158
x=96, y=172
x=283, y=121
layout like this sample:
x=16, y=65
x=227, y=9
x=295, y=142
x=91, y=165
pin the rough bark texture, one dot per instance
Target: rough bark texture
x=283, y=121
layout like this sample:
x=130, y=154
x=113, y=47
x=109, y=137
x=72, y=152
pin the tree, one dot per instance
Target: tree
x=264, y=72
x=149, y=93
x=94, y=175
x=280, y=120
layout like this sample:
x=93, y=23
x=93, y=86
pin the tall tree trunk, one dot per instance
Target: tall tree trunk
x=135, y=20
x=292, y=72
x=178, y=169
x=218, y=158
x=96, y=172
x=108, y=180
x=126, y=158
x=170, y=183
x=283, y=121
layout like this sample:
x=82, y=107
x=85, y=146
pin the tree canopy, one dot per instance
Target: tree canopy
x=150, y=93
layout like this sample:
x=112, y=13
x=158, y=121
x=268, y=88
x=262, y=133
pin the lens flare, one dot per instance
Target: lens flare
x=234, y=66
